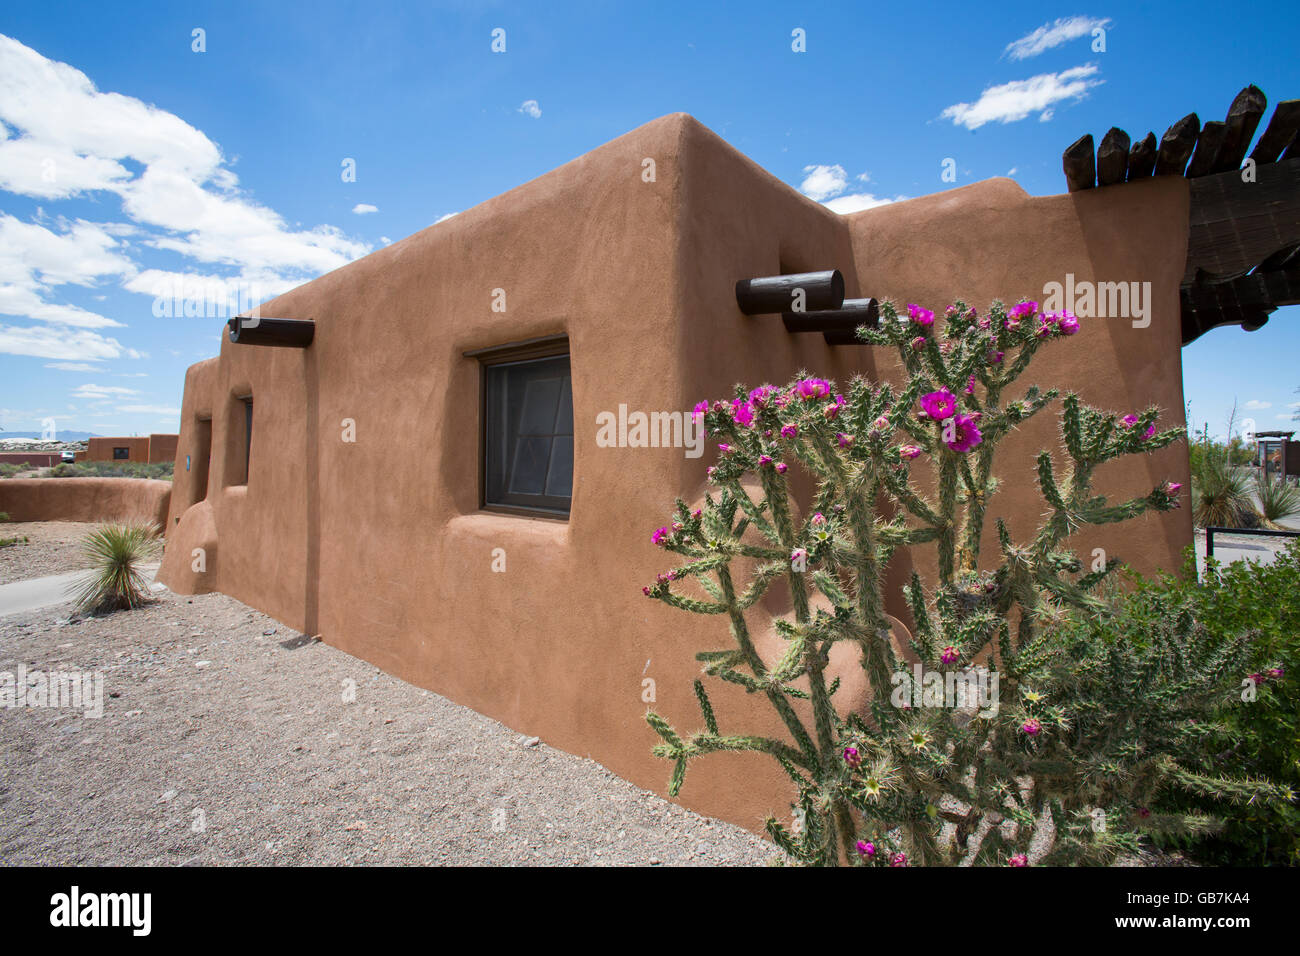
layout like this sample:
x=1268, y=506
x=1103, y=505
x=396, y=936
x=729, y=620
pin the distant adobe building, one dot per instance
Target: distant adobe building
x=152, y=449
x=499, y=559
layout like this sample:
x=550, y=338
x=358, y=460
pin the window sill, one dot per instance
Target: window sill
x=494, y=526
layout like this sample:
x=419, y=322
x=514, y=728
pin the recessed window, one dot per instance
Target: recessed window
x=238, y=440
x=528, y=428
x=121, y=454
x=248, y=435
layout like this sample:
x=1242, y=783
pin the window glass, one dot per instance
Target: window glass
x=528, y=422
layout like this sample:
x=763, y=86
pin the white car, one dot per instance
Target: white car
x=68, y=457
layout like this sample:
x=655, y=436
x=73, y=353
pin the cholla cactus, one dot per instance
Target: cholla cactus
x=897, y=783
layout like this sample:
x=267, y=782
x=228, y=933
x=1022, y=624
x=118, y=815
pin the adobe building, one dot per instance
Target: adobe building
x=152, y=449
x=500, y=560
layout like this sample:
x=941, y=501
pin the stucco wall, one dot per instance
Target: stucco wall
x=391, y=560
x=86, y=499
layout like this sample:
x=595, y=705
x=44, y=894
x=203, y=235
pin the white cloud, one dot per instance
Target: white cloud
x=1014, y=101
x=445, y=217
x=90, y=391
x=73, y=366
x=148, y=410
x=1053, y=35
x=530, y=108
x=362, y=208
x=856, y=202
x=823, y=182
x=1255, y=404
x=54, y=342
x=1012, y=170
x=61, y=138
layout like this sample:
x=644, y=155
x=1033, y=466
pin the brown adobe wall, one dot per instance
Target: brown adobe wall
x=86, y=499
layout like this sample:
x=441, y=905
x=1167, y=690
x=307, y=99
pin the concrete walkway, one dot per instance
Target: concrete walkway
x=36, y=593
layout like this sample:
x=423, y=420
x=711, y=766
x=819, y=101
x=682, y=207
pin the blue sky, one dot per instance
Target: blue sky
x=129, y=160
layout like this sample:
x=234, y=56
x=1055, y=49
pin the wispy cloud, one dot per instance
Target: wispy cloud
x=1255, y=404
x=530, y=108
x=362, y=208
x=73, y=366
x=1013, y=101
x=826, y=185
x=1053, y=34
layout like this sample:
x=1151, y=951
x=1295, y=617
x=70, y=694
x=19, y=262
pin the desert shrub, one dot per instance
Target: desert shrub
x=1221, y=492
x=116, y=553
x=8, y=469
x=10, y=542
x=1086, y=728
x=1278, y=500
x=113, y=469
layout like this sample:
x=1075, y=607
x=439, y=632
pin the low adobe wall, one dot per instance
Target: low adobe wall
x=86, y=499
x=39, y=458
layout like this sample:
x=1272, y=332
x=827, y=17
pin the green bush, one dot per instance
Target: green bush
x=116, y=553
x=113, y=469
x=1278, y=500
x=8, y=469
x=1221, y=492
x=1255, y=738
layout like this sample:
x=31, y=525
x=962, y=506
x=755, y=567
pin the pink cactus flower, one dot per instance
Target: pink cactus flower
x=995, y=356
x=1068, y=323
x=1128, y=421
x=789, y=431
x=919, y=315
x=1275, y=673
x=646, y=591
x=898, y=859
x=1032, y=726
x=758, y=397
x=966, y=435
x=852, y=757
x=939, y=405
x=743, y=413
x=1149, y=433
x=1022, y=310
x=970, y=385
x=813, y=388
x=697, y=512
x=798, y=556
x=699, y=410
x=724, y=449
x=909, y=451
x=660, y=536
x=1171, y=487
x=918, y=343
x=866, y=848
x=949, y=654
x=765, y=460
x=846, y=441
x=818, y=520
x=1018, y=860
x=781, y=467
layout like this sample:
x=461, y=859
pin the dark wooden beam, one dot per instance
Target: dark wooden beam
x=1176, y=146
x=837, y=325
x=1292, y=150
x=821, y=290
x=1243, y=118
x=1207, y=149
x=1112, y=157
x=276, y=333
x=1142, y=158
x=1080, y=164
x=1234, y=226
x=1280, y=131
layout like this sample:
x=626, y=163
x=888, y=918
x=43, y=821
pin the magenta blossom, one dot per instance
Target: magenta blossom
x=898, y=859
x=866, y=848
x=949, y=654
x=833, y=409
x=909, y=451
x=765, y=460
x=1067, y=322
x=846, y=441
x=742, y=412
x=818, y=520
x=1275, y=673
x=812, y=388
x=970, y=385
x=1149, y=433
x=789, y=431
x=660, y=536
x=919, y=315
x=939, y=405
x=1018, y=860
x=966, y=435
x=1032, y=726
x=781, y=467
x=759, y=395
x=1128, y=421
x=852, y=757
x=918, y=343
x=699, y=410
x=724, y=448
x=1022, y=310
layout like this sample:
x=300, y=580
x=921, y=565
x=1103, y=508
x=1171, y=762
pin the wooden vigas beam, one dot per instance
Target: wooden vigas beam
x=1245, y=300
x=275, y=333
x=1234, y=226
x=838, y=326
x=802, y=291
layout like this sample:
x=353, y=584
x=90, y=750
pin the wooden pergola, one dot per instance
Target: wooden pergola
x=1243, y=243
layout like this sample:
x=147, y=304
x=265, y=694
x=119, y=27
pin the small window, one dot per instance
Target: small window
x=121, y=454
x=248, y=435
x=528, y=430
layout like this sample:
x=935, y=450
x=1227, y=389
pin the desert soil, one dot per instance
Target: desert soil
x=226, y=738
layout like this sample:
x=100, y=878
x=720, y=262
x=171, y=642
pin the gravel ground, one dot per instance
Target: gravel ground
x=225, y=739
x=55, y=548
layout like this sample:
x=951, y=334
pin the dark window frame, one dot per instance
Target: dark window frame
x=515, y=353
x=125, y=453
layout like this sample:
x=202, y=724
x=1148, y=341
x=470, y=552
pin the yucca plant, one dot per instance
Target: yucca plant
x=116, y=553
x=1221, y=494
x=1278, y=500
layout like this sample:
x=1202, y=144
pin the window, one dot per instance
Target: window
x=121, y=453
x=248, y=435
x=202, y=458
x=528, y=428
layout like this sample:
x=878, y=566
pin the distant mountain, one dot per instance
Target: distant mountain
x=59, y=435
